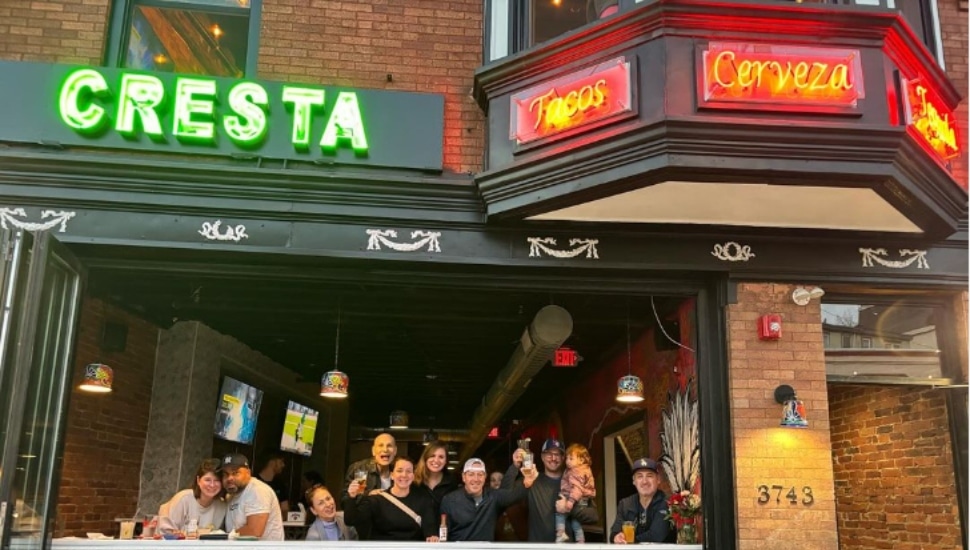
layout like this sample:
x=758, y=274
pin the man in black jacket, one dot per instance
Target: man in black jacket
x=473, y=511
x=646, y=509
x=543, y=493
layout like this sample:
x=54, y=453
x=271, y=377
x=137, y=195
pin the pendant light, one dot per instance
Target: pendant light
x=629, y=388
x=399, y=420
x=97, y=378
x=335, y=383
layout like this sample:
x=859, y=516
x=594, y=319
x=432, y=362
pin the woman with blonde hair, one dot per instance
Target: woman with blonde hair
x=430, y=474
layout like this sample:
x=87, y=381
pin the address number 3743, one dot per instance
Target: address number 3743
x=765, y=494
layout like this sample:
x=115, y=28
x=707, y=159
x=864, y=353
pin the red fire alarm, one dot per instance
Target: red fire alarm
x=769, y=327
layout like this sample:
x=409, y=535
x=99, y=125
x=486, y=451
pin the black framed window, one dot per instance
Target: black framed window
x=205, y=37
x=922, y=17
x=516, y=25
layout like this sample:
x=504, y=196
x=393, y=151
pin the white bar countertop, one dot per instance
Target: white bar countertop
x=114, y=544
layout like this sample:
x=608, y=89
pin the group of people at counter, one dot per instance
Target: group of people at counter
x=390, y=497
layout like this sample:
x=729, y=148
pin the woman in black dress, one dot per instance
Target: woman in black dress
x=386, y=513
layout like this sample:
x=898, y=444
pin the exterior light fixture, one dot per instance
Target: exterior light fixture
x=792, y=408
x=97, y=378
x=335, y=383
x=399, y=420
x=629, y=388
x=802, y=296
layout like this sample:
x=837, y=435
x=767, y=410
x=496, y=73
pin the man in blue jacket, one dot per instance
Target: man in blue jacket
x=473, y=511
x=646, y=509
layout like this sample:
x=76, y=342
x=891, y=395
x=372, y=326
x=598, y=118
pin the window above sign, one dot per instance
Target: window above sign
x=517, y=25
x=202, y=37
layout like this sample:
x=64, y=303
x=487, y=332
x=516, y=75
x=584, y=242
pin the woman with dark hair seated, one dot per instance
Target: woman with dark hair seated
x=204, y=502
x=329, y=523
x=396, y=514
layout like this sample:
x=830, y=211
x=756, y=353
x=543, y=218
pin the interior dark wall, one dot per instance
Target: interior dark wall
x=105, y=436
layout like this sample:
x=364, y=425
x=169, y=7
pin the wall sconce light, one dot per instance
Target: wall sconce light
x=802, y=296
x=792, y=408
x=399, y=420
x=97, y=378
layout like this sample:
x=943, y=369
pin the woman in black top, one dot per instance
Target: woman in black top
x=430, y=474
x=381, y=512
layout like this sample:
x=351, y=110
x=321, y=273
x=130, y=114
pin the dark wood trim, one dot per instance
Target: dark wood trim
x=956, y=402
x=309, y=213
x=717, y=451
x=630, y=156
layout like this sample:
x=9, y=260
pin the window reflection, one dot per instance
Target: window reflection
x=551, y=18
x=880, y=340
x=188, y=40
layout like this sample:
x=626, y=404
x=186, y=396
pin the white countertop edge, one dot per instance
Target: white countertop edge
x=114, y=544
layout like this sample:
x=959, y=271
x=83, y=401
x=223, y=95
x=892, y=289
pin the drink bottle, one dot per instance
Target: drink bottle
x=443, y=529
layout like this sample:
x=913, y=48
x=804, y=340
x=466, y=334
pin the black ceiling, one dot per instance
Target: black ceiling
x=429, y=342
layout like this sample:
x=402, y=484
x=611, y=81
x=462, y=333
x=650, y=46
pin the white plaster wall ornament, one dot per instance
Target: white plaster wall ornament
x=732, y=252
x=540, y=245
x=59, y=217
x=870, y=255
x=212, y=232
x=421, y=239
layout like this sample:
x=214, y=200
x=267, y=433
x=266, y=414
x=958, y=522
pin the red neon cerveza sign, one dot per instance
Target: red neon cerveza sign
x=929, y=118
x=785, y=75
x=575, y=100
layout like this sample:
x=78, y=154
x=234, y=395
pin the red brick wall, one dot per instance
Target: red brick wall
x=764, y=453
x=894, y=478
x=425, y=45
x=55, y=31
x=106, y=433
x=953, y=26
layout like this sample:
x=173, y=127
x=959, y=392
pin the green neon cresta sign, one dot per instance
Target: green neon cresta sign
x=196, y=112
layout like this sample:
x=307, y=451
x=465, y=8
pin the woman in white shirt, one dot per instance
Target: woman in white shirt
x=203, y=502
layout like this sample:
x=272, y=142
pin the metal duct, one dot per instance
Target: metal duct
x=551, y=327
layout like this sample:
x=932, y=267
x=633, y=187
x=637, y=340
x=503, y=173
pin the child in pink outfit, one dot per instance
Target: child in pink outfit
x=577, y=487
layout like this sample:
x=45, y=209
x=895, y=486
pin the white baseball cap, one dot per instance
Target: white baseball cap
x=474, y=465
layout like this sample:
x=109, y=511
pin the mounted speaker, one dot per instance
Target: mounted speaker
x=114, y=339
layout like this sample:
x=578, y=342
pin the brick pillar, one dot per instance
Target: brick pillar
x=764, y=452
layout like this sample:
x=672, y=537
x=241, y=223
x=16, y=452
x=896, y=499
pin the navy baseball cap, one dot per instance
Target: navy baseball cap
x=553, y=445
x=233, y=461
x=645, y=464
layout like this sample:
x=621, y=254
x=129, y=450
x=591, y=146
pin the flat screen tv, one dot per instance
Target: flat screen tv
x=238, y=411
x=298, y=429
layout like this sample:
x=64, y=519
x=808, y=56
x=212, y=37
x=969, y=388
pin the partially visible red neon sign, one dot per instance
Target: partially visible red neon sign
x=929, y=118
x=575, y=100
x=782, y=75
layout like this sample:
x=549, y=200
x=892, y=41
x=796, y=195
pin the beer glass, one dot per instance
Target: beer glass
x=629, y=532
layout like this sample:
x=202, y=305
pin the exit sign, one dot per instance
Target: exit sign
x=565, y=357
